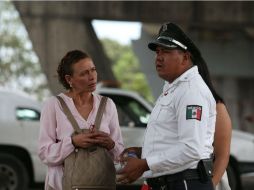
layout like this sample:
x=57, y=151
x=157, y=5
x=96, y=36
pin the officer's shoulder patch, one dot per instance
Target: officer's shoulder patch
x=193, y=112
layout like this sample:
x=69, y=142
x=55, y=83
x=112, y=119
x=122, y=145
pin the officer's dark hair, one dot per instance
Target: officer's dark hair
x=204, y=72
x=65, y=66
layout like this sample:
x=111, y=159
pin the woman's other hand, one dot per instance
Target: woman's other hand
x=84, y=140
x=104, y=140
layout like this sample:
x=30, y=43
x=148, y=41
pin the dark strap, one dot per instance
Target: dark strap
x=101, y=109
x=74, y=123
x=69, y=115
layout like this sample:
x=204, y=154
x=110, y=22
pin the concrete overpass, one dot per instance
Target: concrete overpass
x=223, y=30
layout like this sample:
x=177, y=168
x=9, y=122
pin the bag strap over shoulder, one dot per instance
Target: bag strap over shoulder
x=101, y=109
x=74, y=123
x=69, y=115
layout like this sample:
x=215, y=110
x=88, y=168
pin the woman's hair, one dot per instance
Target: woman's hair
x=65, y=66
x=204, y=72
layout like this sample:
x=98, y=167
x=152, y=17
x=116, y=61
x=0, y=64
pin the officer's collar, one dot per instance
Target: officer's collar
x=186, y=76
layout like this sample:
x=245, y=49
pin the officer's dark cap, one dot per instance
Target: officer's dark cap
x=172, y=37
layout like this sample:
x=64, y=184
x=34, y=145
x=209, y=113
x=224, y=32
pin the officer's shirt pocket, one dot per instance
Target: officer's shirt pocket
x=165, y=113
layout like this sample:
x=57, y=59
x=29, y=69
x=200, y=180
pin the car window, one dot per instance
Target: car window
x=124, y=119
x=130, y=112
x=27, y=114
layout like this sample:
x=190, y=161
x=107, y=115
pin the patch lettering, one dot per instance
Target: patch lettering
x=193, y=112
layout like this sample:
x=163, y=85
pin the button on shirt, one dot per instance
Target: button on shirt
x=181, y=127
x=56, y=130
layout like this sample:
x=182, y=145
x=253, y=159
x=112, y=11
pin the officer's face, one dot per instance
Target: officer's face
x=169, y=63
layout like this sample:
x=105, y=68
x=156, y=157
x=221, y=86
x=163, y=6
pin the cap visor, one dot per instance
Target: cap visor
x=153, y=45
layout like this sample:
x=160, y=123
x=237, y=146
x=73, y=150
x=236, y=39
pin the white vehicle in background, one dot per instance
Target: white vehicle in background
x=20, y=166
x=19, y=127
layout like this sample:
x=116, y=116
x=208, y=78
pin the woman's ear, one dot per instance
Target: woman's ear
x=68, y=78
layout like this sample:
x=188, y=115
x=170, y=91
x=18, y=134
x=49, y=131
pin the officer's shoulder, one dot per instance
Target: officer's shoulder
x=192, y=88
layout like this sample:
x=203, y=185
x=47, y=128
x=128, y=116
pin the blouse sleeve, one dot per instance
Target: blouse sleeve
x=51, y=150
x=115, y=131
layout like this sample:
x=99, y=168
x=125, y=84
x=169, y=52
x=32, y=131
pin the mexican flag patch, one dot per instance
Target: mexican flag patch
x=193, y=112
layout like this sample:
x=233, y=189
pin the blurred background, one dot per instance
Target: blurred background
x=35, y=35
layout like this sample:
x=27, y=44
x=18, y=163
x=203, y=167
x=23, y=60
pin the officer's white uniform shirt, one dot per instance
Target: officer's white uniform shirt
x=181, y=127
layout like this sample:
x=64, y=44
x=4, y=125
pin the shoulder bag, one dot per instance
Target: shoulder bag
x=88, y=168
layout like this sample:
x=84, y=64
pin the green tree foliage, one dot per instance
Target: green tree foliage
x=19, y=66
x=126, y=68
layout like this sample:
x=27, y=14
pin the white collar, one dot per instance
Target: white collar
x=186, y=76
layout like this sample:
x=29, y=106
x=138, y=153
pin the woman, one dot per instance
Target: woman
x=77, y=73
x=222, y=136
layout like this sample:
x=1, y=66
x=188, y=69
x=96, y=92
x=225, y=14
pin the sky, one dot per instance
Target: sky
x=123, y=32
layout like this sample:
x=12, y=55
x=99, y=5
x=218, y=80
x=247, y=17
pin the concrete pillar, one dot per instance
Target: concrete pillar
x=53, y=33
x=147, y=63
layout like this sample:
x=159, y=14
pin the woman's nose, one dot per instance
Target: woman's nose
x=91, y=75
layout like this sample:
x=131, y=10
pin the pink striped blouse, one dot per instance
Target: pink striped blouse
x=55, y=131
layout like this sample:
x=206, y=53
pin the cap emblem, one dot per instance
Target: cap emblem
x=164, y=27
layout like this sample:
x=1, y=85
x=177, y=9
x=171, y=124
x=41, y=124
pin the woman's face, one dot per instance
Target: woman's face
x=84, y=77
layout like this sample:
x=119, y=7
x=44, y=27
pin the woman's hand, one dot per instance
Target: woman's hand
x=104, y=140
x=84, y=140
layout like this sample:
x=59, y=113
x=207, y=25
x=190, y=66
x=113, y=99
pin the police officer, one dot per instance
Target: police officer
x=178, y=140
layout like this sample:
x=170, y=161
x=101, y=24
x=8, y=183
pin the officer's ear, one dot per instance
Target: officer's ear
x=187, y=56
